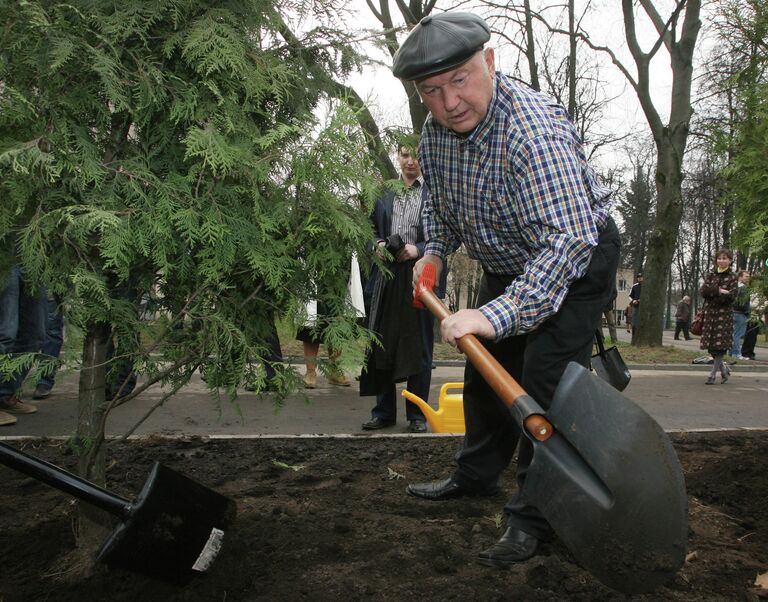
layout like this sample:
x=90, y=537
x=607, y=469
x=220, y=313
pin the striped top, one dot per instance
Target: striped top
x=518, y=192
x=406, y=212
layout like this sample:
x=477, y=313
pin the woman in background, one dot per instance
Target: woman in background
x=719, y=293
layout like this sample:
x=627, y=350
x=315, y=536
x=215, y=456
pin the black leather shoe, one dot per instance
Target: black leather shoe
x=446, y=490
x=377, y=423
x=514, y=546
x=417, y=426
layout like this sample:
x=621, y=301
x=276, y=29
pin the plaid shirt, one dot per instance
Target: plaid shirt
x=518, y=192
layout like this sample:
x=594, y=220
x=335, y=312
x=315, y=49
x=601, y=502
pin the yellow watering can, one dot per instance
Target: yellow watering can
x=450, y=417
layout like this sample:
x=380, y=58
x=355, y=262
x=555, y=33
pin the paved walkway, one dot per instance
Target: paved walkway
x=674, y=395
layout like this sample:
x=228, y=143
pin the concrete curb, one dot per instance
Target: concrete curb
x=348, y=436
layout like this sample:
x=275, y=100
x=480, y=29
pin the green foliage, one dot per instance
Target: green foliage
x=747, y=175
x=167, y=153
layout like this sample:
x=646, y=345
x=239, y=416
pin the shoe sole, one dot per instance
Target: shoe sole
x=31, y=410
x=450, y=497
x=502, y=564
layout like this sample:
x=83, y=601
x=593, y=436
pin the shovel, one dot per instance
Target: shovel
x=604, y=473
x=171, y=531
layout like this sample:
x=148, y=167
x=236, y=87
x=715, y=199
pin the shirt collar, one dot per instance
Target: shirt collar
x=417, y=183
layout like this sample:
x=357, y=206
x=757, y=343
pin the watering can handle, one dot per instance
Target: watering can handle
x=494, y=373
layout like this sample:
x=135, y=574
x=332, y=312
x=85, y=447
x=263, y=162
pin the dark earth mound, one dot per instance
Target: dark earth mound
x=329, y=519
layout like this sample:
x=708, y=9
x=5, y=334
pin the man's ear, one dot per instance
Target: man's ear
x=490, y=60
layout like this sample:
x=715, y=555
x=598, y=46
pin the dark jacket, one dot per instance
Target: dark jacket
x=741, y=304
x=382, y=227
x=390, y=311
x=683, y=313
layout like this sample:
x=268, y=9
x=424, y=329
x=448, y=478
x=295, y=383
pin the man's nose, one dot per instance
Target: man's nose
x=451, y=99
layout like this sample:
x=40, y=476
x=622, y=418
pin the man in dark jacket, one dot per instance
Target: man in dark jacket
x=407, y=333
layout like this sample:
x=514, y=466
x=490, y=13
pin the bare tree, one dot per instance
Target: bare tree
x=677, y=35
x=412, y=13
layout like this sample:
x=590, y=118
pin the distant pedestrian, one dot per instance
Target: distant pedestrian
x=740, y=313
x=718, y=292
x=683, y=318
x=634, y=302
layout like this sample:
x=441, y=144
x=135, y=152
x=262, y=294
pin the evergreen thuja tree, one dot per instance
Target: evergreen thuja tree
x=162, y=151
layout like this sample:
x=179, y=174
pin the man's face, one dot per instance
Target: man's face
x=459, y=98
x=744, y=278
x=409, y=164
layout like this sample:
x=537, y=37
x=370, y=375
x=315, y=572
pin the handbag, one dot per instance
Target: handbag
x=609, y=365
x=698, y=323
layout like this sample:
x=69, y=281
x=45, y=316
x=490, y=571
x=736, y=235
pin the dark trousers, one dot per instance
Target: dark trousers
x=418, y=384
x=537, y=361
x=275, y=352
x=750, y=340
x=681, y=326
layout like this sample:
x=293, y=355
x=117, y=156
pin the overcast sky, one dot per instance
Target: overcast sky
x=387, y=100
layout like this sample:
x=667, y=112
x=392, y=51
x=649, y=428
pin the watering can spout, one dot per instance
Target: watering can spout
x=449, y=418
x=429, y=412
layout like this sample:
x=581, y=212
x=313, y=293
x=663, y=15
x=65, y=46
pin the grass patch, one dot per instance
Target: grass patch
x=657, y=355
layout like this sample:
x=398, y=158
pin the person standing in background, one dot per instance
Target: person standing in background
x=52, y=344
x=683, y=318
x=407, y=333
x=22, y=330
x=740, y=314
x=634, y=301
x=718, y=292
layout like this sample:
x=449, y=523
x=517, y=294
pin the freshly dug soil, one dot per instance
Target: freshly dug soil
x=329, y=519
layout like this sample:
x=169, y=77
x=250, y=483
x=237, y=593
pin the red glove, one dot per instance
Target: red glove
x=426, y=281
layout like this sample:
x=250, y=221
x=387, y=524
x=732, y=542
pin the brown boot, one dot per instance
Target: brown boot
x=6, y=419
x=335, y=375
x=339, y=379
x=310, y=361
x=310, y=379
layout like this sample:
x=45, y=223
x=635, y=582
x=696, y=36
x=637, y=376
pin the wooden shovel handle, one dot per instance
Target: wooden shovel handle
x=494, y=373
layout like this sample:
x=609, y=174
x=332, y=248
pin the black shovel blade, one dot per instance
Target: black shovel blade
x=610, y=485
x=174, y=530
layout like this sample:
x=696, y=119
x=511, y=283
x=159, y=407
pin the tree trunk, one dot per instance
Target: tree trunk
x=530, y=47
x=572, y=61
x=417, y=109
x=670, y=142
x=92, y=523
x=661, y=245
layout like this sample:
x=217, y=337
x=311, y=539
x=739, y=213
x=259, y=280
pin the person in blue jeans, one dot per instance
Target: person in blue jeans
x=22, y=330
x=740, y=310
x=52, y=344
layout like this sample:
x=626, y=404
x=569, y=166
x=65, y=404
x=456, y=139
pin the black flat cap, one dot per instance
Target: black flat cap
x=440, y=42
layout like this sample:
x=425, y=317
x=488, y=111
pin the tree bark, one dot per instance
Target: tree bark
x=670, y=142
x=89, y=439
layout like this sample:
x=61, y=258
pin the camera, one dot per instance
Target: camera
x=394, y=244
